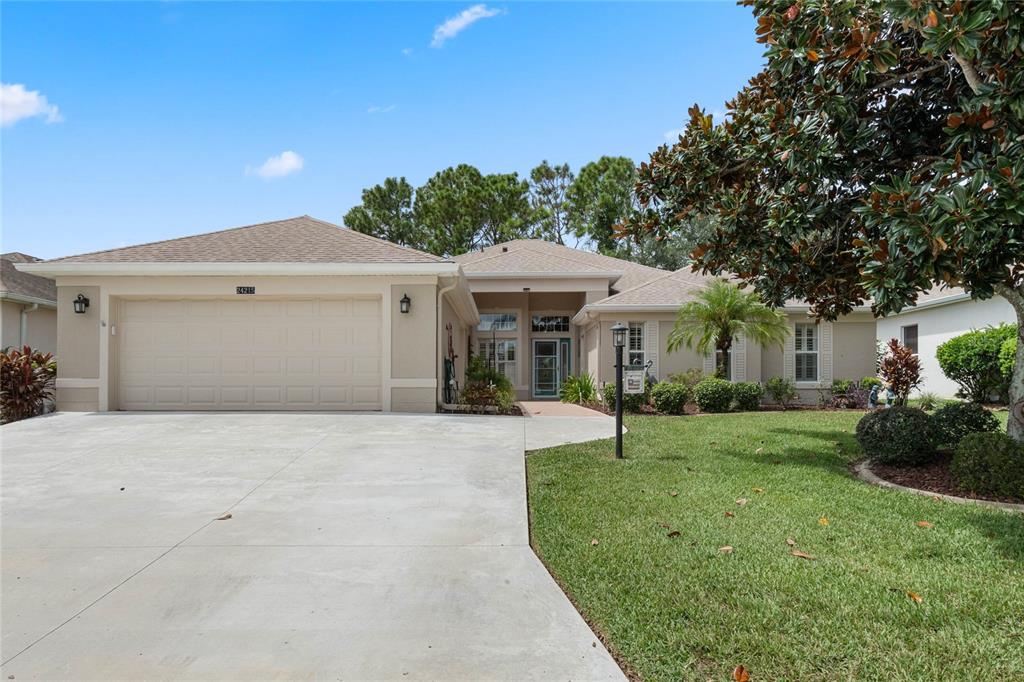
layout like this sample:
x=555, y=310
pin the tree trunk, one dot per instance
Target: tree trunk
x=722, y=366
x=1015, y=423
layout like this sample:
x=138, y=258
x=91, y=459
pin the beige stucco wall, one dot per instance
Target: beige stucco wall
x=87, y=353
x=678, y=361
x=459, y=334
x=42, y=327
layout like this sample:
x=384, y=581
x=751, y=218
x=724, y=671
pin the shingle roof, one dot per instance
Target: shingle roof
x=671, y=288
x=294, y=240
x=16, y=283
x=535, y=255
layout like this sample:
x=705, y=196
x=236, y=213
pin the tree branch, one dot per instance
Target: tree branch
x=973, y=79
x=902, y=77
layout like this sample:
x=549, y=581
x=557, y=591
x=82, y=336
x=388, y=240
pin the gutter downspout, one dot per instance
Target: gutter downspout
x=25, y=310
x=440, y=341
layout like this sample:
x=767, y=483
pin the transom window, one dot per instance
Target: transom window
x=910, y=337
x=805, y=338
x=498, y=322
x=550, y=323
x=500, y=354
x=635, y=344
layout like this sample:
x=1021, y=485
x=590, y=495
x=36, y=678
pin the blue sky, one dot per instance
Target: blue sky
x=131, y=122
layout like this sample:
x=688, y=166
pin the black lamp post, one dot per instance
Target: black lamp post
x=618, y=340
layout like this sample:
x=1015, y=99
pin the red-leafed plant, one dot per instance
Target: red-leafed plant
x=901, y=369
x=27, y=379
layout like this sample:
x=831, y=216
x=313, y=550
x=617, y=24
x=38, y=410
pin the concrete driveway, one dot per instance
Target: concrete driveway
x=359, y=547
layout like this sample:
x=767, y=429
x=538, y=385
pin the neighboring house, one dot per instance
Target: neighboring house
x=546, y=312
x=295, y=314
x=940, y=314
x=28, y=306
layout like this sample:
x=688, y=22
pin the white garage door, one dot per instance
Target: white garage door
x=250, y=354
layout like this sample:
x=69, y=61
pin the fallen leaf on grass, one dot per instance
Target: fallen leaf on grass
x=802, y=555
x=925, y=524
x=791, y=542
x=725, y=550
x=223, y=518
x=914, y=597
x=729, y=514
x=593, y=542
x=673, y=534
x=936, y=498
x=823, y=521
x=740, y=674
x=742, y=501
x=758, y=451
x=758, y=490
x=673, y=493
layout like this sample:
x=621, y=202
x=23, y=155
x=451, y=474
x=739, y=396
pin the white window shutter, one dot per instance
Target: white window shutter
x=826, y=353
x=709, y=363
x=739, y=358
x=651, y=343
x=789, y=355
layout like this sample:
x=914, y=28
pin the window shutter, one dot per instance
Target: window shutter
x=826, y=354
x=651, y=342
x=789, y=355
x=709, y=363
x=739, y=358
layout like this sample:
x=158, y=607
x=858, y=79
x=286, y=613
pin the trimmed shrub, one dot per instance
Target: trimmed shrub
x=579, y=389
x=747, y=395
x=631, y=402
x=899, y=435
x=1007, y=356
x=841, y=386
x=481, y=372
x=781, y=391
x=953, y=421
x=713, y=395
x=855, y=398
x=973, y=361
x=867, y=383
x=27, y=379
x=690, y=378
x=989, y=463
x=670, y=398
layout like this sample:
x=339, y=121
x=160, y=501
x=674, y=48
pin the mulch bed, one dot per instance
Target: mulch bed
x=935, y=478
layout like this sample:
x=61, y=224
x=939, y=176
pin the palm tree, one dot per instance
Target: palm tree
x=722, y=311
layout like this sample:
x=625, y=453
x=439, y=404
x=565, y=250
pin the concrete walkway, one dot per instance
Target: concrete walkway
x=359, y=547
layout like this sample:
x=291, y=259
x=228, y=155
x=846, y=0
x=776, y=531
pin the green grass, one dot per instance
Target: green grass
x=678, y=609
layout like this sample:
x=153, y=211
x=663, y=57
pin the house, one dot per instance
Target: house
x=301, y=314
x=940, y=314
x=28, y=306
x=546, y=312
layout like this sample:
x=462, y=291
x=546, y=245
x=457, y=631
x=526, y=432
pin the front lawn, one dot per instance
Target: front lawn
x=677, y=607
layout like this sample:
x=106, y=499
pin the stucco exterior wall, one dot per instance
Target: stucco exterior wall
x=678, y=361
x=937, y=324
x=42, y=327
x=459, y=336
x=78, y=350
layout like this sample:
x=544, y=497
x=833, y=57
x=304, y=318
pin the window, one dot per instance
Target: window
x=805, y=337
x=635, y=344
x=497, y=322
x=550, y=323
x=910, y=337
x=500, y=354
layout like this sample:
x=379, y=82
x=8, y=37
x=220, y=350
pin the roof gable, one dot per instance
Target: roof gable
x=16, y=284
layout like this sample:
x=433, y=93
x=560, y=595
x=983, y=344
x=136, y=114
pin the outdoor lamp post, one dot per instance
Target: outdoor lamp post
x=618, y=340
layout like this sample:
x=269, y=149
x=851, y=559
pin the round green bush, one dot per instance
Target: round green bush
x=867, y=383
x=747, y=395
x=989, y=463
x=899, y=435
x=670, y=398
x=1007, y=357
x=713, y=395
x=631, y=402
x=972, y=360
x=953, y=421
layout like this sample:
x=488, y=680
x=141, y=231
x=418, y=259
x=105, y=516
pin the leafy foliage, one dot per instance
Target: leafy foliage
x=631, y=402
x=386, y=213
x=1007, y=357
x=841, y=386
x=853, y=398
x=901, y=369
x=990, y=463
x=600, y=198
x=720, y=312
x=954, y=421
x=690, y=378
x=27, y=380
x=549, y=187
x=973, y=359
x=868, y=383
x=747, y=395
x=670, y=398
x=898, y=435
x=713, y=395
x=781, y=391
x=579, y=389
x=928, y=401
x=479, y=370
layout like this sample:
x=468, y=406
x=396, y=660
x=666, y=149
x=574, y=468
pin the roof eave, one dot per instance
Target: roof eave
x=15, y=297
x=127, y=269
x=520, y=274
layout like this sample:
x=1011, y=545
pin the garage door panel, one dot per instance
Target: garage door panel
x=209, y=354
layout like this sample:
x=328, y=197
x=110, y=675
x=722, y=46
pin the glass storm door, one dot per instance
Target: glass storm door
x=546, y=368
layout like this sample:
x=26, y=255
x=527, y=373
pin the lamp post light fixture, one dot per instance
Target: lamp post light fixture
x=404, y=303
x=619, y=341
x=80, y=303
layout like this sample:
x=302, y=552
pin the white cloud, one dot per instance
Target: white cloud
x=460, y=22
x=407, y=51
x=278, y=166
x=17, y=103
x=381, y=110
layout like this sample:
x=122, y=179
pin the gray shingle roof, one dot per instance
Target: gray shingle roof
x=16, y=283
x=294, y=240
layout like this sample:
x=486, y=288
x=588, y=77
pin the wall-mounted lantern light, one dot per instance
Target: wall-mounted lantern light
x=80, y=303
x=403, y=303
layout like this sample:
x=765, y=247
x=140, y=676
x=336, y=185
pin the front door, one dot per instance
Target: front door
x=550, y=366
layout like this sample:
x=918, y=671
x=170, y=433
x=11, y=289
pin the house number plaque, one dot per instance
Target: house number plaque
x=245, y=290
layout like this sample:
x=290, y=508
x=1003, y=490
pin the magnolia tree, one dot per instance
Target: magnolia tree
x=879, y=153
